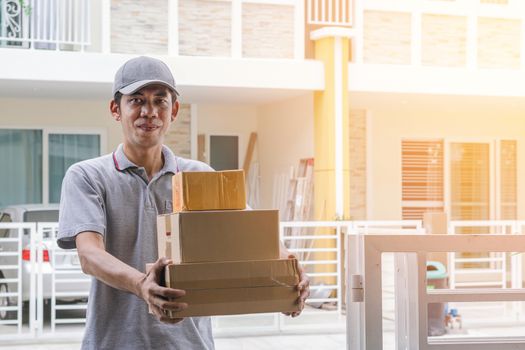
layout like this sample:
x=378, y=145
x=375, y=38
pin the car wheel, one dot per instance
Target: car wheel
x=5, y=301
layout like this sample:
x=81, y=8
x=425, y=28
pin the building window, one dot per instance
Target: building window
x=422, y=177
x=36, y=161
x=65, y=150
x=481, y=181
x=21, y=175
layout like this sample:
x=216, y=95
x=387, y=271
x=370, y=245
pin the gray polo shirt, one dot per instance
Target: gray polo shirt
x=112, y=196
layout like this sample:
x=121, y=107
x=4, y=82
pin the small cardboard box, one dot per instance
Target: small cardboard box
x=209, y=190
x=212, y=236
x=236, y=287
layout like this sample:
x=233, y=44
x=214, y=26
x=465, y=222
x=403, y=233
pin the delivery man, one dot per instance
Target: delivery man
x=108, y=212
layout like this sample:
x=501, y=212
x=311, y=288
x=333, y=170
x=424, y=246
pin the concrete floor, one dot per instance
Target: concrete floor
x=289, y=342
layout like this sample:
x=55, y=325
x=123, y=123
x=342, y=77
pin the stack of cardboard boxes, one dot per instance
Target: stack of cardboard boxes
x=224, y=257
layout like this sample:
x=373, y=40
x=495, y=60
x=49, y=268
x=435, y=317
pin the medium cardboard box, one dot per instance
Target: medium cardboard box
x=236, y=287
x=208, y=190
x=164, y=235
x=212, y=236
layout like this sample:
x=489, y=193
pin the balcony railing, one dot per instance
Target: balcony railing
x=49, y=24
x=330, y=12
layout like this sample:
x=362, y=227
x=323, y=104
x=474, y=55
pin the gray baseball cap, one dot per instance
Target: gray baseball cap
x=140, y=72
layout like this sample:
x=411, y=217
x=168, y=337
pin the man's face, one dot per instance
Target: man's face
x=145, y=115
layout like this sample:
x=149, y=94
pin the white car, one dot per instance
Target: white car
x=70, y=284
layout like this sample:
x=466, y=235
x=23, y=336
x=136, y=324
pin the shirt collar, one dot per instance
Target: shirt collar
x=170, y=161
x=123, y=163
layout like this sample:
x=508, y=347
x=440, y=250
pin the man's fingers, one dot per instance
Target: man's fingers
x=173, y=306
x=169, y=320
x=167, y=292
x=304, y=294
x=165, y=305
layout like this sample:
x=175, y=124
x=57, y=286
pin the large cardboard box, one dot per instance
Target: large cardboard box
x=237, y=287
x=211, y=236
x=209, y=190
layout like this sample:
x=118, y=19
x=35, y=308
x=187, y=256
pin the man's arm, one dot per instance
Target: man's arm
x=304, y=284
x=96, y=261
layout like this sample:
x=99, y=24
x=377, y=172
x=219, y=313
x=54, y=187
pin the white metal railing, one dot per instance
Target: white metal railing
x=49, y=24
x=364, y=326
x=11, y=266
x=330, y=12
x=496, y=261
x=301, y=241
x=11, y=236
x=67, y=280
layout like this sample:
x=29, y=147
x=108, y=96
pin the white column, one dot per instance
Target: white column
x=358, y=23
x=106, y=26
x=193, y=131
x=299, y=29
x=173, y=27
x=236, y=33
x=472, y=41
x=416, y=36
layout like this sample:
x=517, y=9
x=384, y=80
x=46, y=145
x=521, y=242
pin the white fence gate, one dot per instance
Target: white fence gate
x=364, y=302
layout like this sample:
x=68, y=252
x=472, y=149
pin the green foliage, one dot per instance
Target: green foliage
x=27, y=8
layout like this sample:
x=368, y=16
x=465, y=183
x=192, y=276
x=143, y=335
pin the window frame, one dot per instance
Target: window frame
x=495, y=181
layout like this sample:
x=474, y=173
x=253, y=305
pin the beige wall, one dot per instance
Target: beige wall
x=178, y=138
x=70, y=115
x=65, y=114
x=228, y=120
x=204, y=28
x=357, y=153
x=136, y=28
x=499, y=43
x=387, y=37
x=444, y=40
x=393, y=117
x=285, y=131
x=267, y=30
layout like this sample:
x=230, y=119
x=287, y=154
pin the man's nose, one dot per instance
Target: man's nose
x=148, y=110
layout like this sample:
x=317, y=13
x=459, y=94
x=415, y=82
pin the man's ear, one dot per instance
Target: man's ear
x=114, y=109
x=174, y=110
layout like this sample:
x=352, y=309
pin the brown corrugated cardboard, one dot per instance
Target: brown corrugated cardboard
x=209, y=190
x=164, y=236
x=237, y=287
x=212, y=236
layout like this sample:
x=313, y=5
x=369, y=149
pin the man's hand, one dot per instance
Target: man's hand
x=161, y=299
x=303, y=288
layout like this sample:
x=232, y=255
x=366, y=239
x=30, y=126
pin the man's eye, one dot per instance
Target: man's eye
x=135, y=100
x=162, y=101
